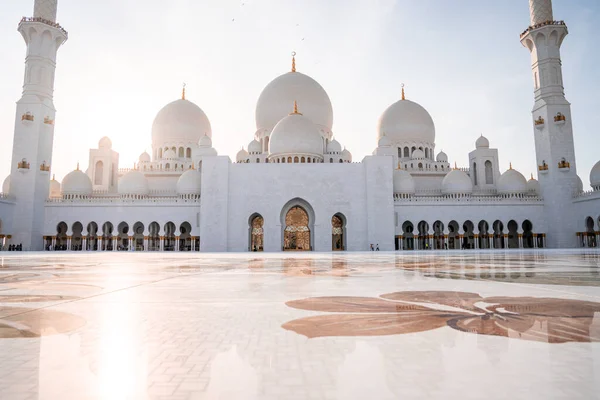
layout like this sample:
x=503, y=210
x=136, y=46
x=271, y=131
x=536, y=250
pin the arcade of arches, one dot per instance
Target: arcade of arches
x=591, y=236
x=123, y=237
x=469, y=236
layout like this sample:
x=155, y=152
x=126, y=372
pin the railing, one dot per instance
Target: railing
x=467, y=198
x=587, y=194
x=536, y=26
x=116, y=199
x=44, y=21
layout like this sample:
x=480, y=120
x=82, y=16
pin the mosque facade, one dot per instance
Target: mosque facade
x=295, y=187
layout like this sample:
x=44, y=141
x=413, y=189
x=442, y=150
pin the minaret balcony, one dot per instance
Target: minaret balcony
x=560, y=119
x=539, y=123
x=543, y=169
x=23, y=166
x=44, y=167
x=48, y=121
x=564, y=166
x=27, y=118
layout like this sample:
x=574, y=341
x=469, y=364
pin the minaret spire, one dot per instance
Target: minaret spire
x=293, y=61
x=540, y=11
x=45, y=9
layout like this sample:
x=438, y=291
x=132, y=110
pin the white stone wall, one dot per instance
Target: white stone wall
x=232, y=193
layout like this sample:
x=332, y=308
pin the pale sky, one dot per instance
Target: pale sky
x=461, y=60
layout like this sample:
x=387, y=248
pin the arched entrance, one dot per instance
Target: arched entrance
x=438, y=236
x=123, y=243
x=169, y=237
x=154, y=237
x=469, y=235
x=408, y=237
x=296, y=235
x=453, y=235
x=61, y=236
x=185, y=237
x=498, y=227
x=92, y=236
x=423, y=228
x=107, y=237
x=77, y=237
x=338, y=234
x=257, y=233
x=527, y=234
x=138, y=236
x=484, y=239
x=590, y=235
x=513, y=235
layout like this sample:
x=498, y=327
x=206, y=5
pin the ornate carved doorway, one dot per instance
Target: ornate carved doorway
x=257, y=234
x=337, y=233
x=297, y=232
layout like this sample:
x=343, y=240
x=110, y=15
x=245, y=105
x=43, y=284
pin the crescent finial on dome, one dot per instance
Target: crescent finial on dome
x=293, y=61
x=77, y=165
x=510, y=165
x=295, y=109
x=403, y=96
x=183, y=92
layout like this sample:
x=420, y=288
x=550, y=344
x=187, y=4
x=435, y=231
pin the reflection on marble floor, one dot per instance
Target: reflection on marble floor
x=300, y=326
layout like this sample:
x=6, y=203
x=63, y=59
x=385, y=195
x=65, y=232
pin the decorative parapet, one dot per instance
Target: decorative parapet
x=587, y=195
x=467, y=198
x=44, y=21
x=130, y=200
x=542, y=24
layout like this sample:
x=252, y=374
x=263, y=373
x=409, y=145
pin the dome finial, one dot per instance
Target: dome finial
x=296, y=109
x=293, y=61
x=77, y=165
x=510, y=165
x=399, y=165
x=532, y=176
x=54, y=176
x=403, y=97
x=183, y=92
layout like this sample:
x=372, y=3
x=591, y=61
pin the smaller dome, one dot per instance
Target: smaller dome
x=254, y=147
x=189, y=182
x=457, y=182
x=482, y=142
x=403, y=182
x=595, y=175
x=242, y=156
x=206, y=152
x=512, y=182
x=54, y=189
x=144, y=157
x=296, y=134
x=442, y=157
x=205, y=141
x=76, y=183
x=418, y=154
x=384, y=141
x=105, y=143
x=533, y=186
x=346, y=156
x=6, y=185
x=334, y=147
x=169, y=154
x=134, y=182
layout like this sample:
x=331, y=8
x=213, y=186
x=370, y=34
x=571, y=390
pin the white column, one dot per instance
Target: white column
x=520, y=236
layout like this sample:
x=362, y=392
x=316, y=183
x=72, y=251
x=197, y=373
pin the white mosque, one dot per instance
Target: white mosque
x=295, y=187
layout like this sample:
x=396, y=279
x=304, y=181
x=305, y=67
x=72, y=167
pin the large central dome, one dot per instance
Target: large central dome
x=274, y=102
x=406, y=121
x=180, y=122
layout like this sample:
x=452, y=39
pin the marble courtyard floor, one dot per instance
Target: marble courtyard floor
x=435, y=325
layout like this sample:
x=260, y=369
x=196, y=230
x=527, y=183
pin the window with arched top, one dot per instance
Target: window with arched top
x=188, y=153
x=475, y=174
x=99, y=173
x=296, y=160
x=289, y=160
x=181, y=152
x=406, y=152
x=489, y=173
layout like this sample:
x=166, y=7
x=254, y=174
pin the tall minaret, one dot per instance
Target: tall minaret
x=34, y=124
x=553, y=130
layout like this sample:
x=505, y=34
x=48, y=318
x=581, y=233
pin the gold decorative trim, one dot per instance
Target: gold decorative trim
x=44, y=167
x=23, y=165
x=540, y=121
x=560, y=117
x=48, y=121
x=27, y=117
